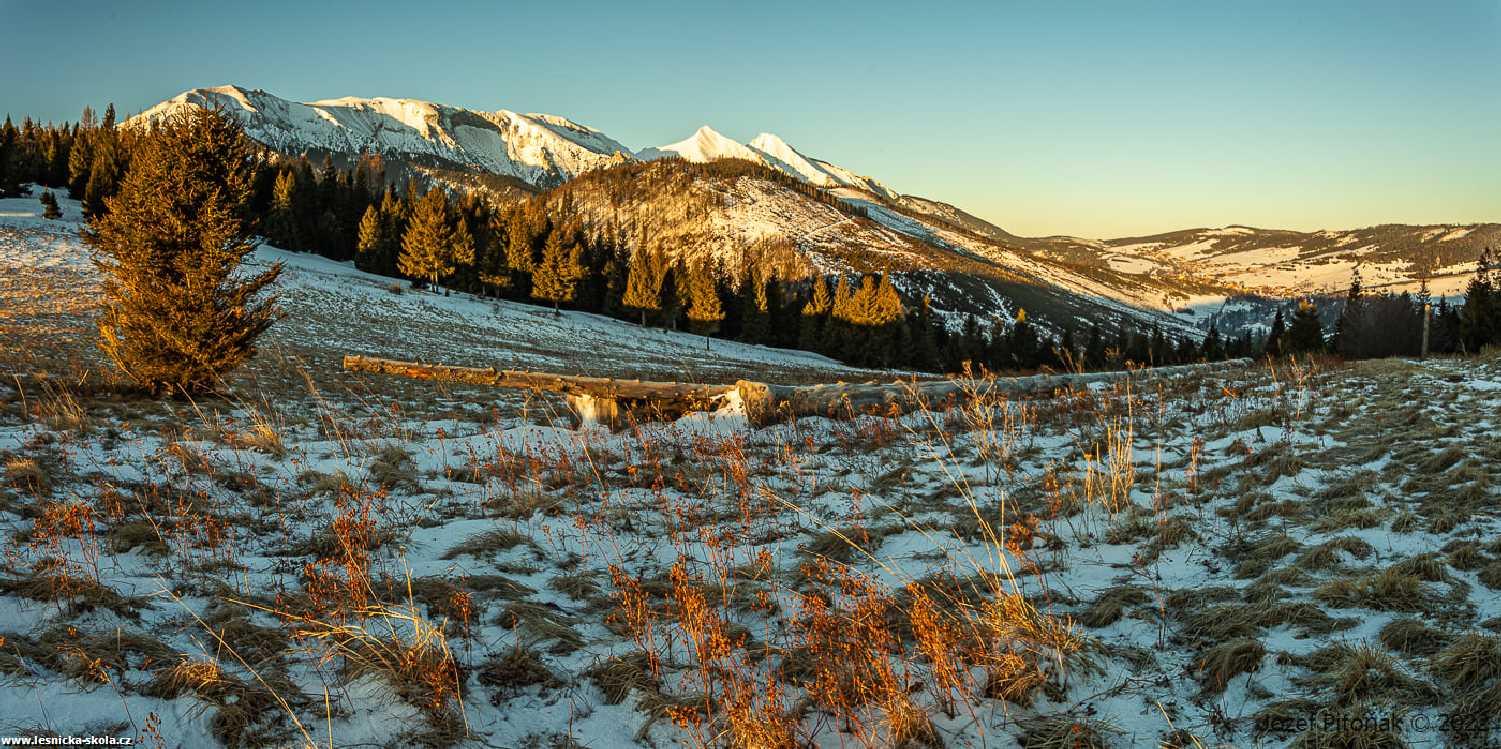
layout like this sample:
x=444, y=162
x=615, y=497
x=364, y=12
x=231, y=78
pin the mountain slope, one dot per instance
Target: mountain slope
x=723, y=212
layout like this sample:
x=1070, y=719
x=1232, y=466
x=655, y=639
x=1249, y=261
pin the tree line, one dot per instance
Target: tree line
x=1376, y=325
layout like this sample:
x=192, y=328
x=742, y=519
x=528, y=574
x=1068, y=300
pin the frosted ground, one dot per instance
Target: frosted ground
x=1240, y=558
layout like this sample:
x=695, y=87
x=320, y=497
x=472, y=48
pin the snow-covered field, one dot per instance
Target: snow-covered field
x=1260, y=557
x=335, y=309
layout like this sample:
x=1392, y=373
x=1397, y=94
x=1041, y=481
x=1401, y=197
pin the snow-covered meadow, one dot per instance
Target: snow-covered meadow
x=1289, y=555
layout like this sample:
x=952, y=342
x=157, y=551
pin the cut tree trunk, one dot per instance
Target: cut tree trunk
x=593, y=399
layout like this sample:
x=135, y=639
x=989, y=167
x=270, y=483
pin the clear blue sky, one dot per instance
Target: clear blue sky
x=1096, y=119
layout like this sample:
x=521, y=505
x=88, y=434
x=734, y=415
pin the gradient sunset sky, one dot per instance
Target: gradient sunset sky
x=1093, y=119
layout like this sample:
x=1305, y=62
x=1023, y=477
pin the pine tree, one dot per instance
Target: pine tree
x=704, y=307
x=427, y=245
x=177, y=314
x=556, y=277
x=50, y=208
x=1306, y=334
x=883, y=315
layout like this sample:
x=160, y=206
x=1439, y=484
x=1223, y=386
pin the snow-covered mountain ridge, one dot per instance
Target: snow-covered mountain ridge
x=539, y=149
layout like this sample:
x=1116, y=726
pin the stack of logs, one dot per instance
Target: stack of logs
x=614, y=402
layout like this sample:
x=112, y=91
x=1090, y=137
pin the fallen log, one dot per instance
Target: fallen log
x=766, y=402
x=609, y=401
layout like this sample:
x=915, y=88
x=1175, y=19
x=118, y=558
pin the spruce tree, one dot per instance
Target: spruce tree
x=177, y=314
x=755, y=319
x=281, y=222
x=1214, y=348
x=461, y=243
x=1478, y=316
x=80, y=161
x=10, y=160
x=1350, y=327
x=426, y=248
x=104, y=174
x=556, y=277
x=371, y=241
x=643, y=283
x=1306, y=334
x=674, y=295
x=704, y=307
x=811, y=330
x=519, y=249
x=1023, y=342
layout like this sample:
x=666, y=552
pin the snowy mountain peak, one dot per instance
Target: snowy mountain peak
x=541, y=150
x=706, y=144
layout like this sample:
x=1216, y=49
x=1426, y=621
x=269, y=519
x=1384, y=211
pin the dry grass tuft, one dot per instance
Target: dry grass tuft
x=515, y=670
x=187, y=676
x=1360, y=674
x=619, y=675
x=1111, y=606
x=1412, y=637
x=1064, y=731
x=1223, y=662
x=28, y=475
x=1391, y=590
x=488, y=542
x=393, y=468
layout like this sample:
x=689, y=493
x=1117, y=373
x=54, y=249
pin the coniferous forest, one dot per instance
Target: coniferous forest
x=544, y=252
